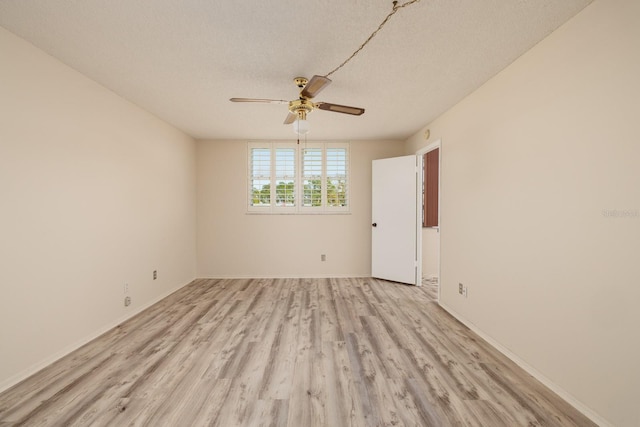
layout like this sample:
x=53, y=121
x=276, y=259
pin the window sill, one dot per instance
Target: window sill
x=298, y=213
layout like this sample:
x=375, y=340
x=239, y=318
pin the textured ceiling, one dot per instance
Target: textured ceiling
x=183, y=59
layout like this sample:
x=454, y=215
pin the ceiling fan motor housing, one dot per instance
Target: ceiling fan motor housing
x=301, y=107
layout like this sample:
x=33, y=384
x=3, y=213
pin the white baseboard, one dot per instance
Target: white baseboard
x=586, y=411
x=305, y=276
x=26, y=373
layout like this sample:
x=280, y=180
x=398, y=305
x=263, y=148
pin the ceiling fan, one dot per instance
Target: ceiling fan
x=299, y=108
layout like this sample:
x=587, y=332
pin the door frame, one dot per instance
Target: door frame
x=420, y=153
x=419, y=167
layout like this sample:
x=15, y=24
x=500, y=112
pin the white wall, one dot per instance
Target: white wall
x=430, y=252
x=94, y=193
x=533, y=165
x=232, y=243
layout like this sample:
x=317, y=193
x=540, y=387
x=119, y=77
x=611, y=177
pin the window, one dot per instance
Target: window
x=290, y=178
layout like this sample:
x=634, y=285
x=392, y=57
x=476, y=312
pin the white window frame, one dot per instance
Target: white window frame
x=298, y=179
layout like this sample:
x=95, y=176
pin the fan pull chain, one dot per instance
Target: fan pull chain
x=396, y=7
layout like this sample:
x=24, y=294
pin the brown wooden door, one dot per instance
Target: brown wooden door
x=431, y=185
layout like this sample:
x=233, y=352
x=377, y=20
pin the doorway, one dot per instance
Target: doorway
x=431, y=230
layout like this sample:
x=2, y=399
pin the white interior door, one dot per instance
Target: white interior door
x=395, y=220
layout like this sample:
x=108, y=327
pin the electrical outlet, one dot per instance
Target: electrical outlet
x=460, y=288
x=155, y=274
x=127, y=301
x=323, y=257
x=126, y=288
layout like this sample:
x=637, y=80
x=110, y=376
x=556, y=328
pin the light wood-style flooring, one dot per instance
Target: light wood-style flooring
x=287, y=352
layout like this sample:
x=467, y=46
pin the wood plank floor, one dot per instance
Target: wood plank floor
x=287, y=352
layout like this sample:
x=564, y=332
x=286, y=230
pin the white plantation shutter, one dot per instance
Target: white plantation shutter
x=285, y=176
x=305, y=178
x=259, y=177
x=311, y=177
x=336, y=167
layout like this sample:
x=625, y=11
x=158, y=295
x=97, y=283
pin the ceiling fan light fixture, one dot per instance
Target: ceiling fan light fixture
x=301, y=127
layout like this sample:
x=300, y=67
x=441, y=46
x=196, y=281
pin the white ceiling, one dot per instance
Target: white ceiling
x=183, y=59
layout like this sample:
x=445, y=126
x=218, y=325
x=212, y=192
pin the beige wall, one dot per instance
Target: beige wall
x=94, y=193
x=232, y=243
x=533, y=165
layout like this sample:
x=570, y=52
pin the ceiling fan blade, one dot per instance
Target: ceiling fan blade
x=340, y=108
x=267, y=101
x=290, y=118
x=314, y=86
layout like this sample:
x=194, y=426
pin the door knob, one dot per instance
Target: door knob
x=375, y=224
